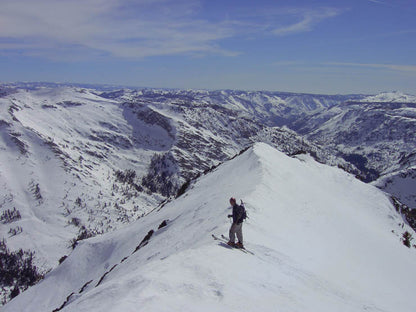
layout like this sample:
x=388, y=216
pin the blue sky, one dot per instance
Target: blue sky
x=316, y=46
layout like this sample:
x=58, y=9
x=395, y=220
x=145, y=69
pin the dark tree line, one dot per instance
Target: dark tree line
x=10, y=216
x=163, y=175
x=17, y=269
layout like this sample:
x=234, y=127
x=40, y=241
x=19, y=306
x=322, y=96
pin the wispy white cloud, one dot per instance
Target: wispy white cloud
x=395, y=67
x=377, y=1
x=122, y=28
x=288, y=63
x=307, y=20
x=302, y=65
x=132, y=28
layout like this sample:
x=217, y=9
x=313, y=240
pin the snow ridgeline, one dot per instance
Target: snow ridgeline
x=323, y=241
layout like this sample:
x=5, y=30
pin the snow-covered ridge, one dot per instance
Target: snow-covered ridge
x=377, y=137
x=391, y=97
x=271, y=108
x=78, y=161
x=322, y=241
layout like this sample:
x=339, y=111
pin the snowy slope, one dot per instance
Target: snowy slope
x=59, y=149
x=376, y=134
x=402, y=184
x=77, y=162
x=323, y=241
x=379, y=135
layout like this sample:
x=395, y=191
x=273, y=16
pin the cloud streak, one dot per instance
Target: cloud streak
x=309, y=18
x=395, y=67
x=124, y=28
x=73, y=29
x=305, y=66
x=377, y=1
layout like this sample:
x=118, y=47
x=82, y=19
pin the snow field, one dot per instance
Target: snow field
x=64, y=120
x=322, y=242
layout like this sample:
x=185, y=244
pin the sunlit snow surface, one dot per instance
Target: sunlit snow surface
x=323, y=241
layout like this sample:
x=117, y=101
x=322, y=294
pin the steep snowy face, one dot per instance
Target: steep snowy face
x=376, y=134
x=61, y=150
x=402, y=184
x=377, y=137
x=322, y=241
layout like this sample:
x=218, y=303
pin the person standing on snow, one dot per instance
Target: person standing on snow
x=237, y=226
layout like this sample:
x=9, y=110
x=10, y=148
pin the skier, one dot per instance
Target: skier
x=237, y=226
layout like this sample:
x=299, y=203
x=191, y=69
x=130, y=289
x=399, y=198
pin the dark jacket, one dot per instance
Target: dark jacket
x=238, y=214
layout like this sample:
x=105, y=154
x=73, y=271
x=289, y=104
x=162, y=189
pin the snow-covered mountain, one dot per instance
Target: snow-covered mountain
x=390, y=97
x=61, y=149
x=322, y=241
x=377, y=136
x=77, y=161
x=269, y=108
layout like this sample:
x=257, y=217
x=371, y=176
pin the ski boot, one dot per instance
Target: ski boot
x=239, y=245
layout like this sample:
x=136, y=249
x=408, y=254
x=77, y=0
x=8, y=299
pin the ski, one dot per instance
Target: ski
x=243, y=249
x=223, y=242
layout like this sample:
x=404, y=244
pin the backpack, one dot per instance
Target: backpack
x=243, y=212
